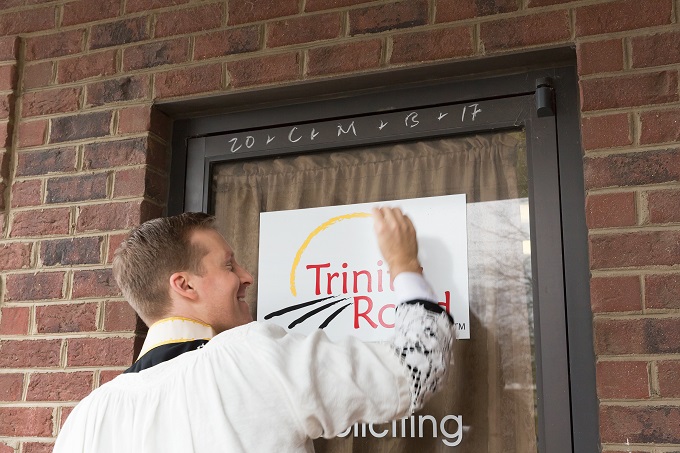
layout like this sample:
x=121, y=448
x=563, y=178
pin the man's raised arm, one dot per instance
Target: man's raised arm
x=423, y=330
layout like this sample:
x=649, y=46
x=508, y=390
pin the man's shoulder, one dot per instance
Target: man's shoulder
x=252, y=329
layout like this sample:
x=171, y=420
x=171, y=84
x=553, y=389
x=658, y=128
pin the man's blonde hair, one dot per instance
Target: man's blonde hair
x=152, y=252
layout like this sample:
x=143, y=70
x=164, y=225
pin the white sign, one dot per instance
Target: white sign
x=322, y=268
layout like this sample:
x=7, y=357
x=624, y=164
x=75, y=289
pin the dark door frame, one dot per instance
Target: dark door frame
x=566, y=360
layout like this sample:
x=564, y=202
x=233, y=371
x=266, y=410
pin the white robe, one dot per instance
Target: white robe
x=254, y=388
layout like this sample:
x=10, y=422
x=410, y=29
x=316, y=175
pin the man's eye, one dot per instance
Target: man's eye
x=229, y=265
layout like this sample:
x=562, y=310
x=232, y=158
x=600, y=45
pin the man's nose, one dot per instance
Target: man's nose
x=245, y=277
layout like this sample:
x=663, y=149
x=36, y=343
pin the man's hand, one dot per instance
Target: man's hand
x=397, y=240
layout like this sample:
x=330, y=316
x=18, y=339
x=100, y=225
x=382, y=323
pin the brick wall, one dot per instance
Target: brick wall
x=83, y=157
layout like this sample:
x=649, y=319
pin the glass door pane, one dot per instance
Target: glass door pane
x=489, y=403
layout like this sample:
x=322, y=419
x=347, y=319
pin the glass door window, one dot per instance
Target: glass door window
x=495, y=413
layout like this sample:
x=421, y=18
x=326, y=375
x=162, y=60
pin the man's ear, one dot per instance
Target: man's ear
x=181, y=284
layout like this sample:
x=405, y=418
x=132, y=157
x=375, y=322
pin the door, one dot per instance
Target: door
x=502, y=153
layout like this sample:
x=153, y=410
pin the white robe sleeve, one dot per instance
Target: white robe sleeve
x=330, y=386
x=423, y=338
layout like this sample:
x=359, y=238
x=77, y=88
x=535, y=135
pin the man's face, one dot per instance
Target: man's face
x=222, y=283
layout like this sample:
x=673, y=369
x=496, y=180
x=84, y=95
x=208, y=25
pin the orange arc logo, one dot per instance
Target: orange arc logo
x=316, y=231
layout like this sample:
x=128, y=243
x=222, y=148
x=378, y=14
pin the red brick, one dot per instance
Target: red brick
x=606, y=131
x=432, y=45
x=115, y=216
x=66, y=318
x=11, y=387
x=622, y=380
x=27, y=193
x=663, y=206
x=318, y=5
x=600, y=56
x=156, y=54
x=86, y=66
x=32, y=133
x=29, y=353
x=133, y=6
x=65, y=412
x=189, y=20
x=144, y=119
x=14, y=321
x=179, y=82
x=55, y=45
x=118, y=90
x=611, y=210
x=641, y=336
x=130, y=183
x=119, y=316
x=615, y=294
x=120, y=153
x=38, y=75
x=59, y=386
x=227, y=42
x=16, y=255
x=374, y=19
x=26, y=421
x=6, y=4
x=46, y=161
x=356, y=56
x=34, y=286
x=72, y=251
x=94, y=283
x=4, y=448
x=5, y=137
x=640, y=424
x=303, y=29
x=4, y=164
x=632, y=169
x=119, y=32
x=114, y=241
x=8, y=77
x=629, y=91
x=452, y=10
x=653, y=248
x=525, y=31
x=100, y=351
x=50, y=101
x=108, y=375
x=83, y=187
x=535, y=3
x=656, y=50
x=41, y=222
x=662, y=291
x=621, y=16
x=669, y=379
x=9, y=47
x=37, y=447
x=6, y=104
x=19, y=22
x=660, y=126
x=262, y=70
x=141, y=182
x=77, y=127
x=244, y=12
x=82, y=11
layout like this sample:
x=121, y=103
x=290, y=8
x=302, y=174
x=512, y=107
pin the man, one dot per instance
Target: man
x=210, y=379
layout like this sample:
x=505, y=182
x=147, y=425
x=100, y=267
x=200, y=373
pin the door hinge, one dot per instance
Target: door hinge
x=545, y=102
